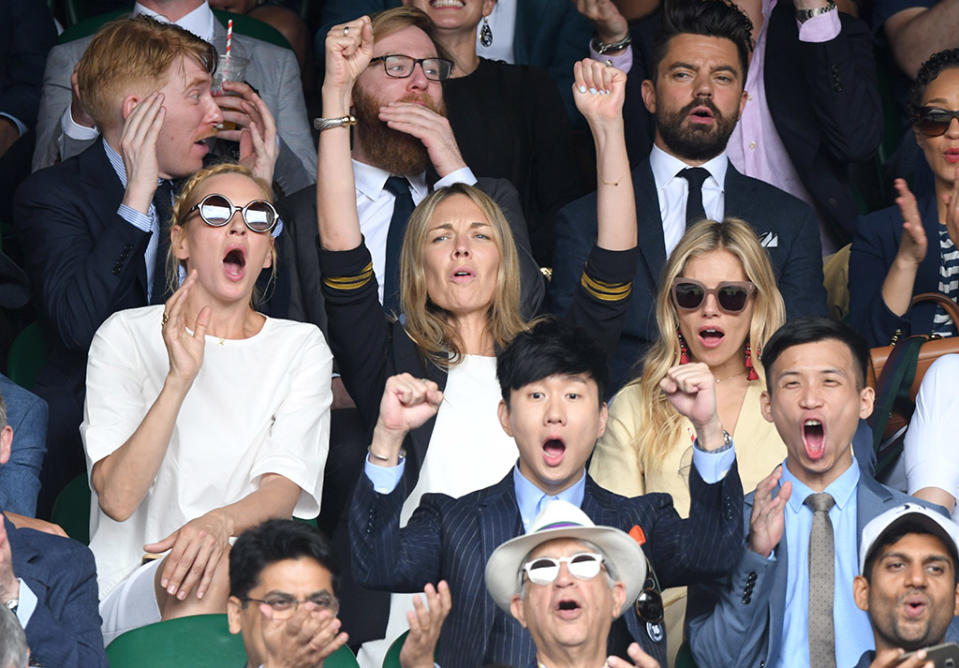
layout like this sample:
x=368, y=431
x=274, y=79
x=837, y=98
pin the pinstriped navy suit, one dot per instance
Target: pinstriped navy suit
x=452, y=539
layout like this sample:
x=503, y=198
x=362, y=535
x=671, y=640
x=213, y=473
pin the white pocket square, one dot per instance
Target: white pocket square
x=769, y=240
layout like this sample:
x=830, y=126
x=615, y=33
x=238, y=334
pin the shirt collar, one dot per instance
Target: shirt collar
x=116, y=161
x=370, y=181
x=665, y=167
x=841, y=489
x=199, y=21
x=528, y=495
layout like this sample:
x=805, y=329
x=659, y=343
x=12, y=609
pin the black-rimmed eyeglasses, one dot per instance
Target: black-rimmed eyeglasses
x=400, y=66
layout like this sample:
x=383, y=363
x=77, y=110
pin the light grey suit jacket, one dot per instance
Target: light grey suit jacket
x=273, y=71
x=739, y=621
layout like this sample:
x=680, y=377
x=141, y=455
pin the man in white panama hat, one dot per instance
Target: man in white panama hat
x=548, y=579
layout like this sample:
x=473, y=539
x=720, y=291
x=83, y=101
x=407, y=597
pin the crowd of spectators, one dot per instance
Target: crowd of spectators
x=548, y=321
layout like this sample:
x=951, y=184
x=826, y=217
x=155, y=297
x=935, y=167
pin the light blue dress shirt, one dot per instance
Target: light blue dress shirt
x=26, y=603
x=853, y=631
x=531, y=499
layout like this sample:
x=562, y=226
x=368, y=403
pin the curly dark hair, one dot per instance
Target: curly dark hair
x=928, y=73
x=712, y=18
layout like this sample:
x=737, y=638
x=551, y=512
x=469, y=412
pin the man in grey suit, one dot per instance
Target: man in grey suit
x=789, y=602
x=64, y=129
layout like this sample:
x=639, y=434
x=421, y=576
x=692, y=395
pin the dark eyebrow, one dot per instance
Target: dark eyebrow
x=718, y=68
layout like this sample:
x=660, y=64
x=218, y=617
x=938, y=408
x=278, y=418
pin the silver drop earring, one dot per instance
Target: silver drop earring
x=486, y=35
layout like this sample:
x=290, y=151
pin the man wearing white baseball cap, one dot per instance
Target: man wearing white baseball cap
x=548, y=579
x=908, y=583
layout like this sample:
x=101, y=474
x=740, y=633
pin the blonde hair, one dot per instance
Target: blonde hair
x=428, y=324
x=660, y=424
x=129, y=52
x=184, y=202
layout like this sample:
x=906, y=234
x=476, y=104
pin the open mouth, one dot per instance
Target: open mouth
x=814, y=438
x=462, y=275
x=553, y=451
x=711, y=337
x=914, y=606
x=952, y=155
x=234, y=262
x=444, y=4
x=701, y=114
x=568, y=608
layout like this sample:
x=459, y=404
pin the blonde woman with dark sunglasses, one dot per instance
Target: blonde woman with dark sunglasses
x=717, y=305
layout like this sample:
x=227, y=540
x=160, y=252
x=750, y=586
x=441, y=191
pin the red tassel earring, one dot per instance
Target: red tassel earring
x=683, y=349
x=752, y=375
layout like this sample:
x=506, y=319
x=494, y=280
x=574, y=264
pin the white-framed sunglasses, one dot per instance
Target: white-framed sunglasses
x=545, y=570
x=216, y=210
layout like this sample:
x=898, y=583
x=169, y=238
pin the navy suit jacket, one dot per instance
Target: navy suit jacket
x=874, y=248
x=28, y=33
x=64, y=629
x=738, y=621
x=85, y=263
x=786, y=226
x=452, y=539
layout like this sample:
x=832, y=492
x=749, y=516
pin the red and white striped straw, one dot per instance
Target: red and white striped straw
x=229, y=36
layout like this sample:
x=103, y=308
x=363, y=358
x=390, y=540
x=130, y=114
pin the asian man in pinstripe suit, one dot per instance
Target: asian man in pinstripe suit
x=553, y=379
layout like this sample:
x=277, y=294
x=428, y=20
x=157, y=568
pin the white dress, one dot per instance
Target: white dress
x=258, y=405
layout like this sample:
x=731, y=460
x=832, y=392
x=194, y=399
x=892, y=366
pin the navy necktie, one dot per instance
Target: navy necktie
x=163, y=203
x=694, y=202
x=402, y=208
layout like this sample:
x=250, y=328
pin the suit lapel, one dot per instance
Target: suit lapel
x=103, y=180
x=498, y=519
x=649, y=231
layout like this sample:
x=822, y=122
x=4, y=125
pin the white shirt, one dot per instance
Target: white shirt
x=374, y=205
x=258, y=405
x=672, y=191
x=468, y=451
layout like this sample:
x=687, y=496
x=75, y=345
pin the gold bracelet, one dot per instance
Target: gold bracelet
x=612, y=183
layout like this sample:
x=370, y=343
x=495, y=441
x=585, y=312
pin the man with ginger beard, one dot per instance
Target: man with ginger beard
x=789, y=601
x=696, y=93
x=402, y=141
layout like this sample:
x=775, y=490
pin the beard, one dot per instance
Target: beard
x=694, y=142
x=394, y=151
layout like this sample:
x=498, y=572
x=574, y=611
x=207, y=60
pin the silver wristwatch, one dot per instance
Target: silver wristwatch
x=803, y=15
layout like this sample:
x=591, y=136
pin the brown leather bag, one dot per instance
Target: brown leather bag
x=896, y=371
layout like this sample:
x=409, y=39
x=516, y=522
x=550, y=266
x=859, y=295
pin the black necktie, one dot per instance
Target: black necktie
x=694, y=202
x=163, y=203
x=402, y=208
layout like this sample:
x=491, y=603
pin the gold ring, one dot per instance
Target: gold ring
x=164, y=319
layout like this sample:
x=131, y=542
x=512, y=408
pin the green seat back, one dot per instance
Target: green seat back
x=27, y=356
x=392, y=658
x=71, y=509
x=684, y=658
x=242, y=25
x=201, y=641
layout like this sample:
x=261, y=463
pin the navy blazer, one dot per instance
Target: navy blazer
x=452, y=539
x=874, y=248
x=64, y=629
x=27, y=33
x=85, y=263
x=823, y=100
x=738, y=621
x=785, y=225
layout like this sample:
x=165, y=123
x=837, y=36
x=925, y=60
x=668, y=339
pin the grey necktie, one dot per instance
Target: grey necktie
x=822, y=642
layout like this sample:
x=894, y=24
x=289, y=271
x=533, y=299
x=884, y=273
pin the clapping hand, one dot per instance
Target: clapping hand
x=184, y=350
x=912, y=247
x=425, y=622
x=767, y=521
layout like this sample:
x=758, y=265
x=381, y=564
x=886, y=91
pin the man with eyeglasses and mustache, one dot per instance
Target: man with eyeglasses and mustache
x=283, y=580
x=696, y=93
x=565, y=581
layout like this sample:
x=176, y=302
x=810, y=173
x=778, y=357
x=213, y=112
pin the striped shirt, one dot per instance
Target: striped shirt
x=948, y=282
